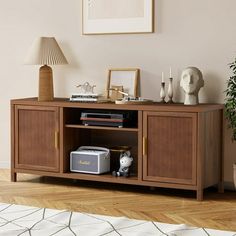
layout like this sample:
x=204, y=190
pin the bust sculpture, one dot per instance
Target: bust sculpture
x=191, y=82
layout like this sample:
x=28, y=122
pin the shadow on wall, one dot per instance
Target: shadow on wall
x=62, y=72
x=212, y=91
x=70, y=55
x=151, y=86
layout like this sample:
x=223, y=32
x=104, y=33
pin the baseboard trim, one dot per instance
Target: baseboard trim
x=4, y=165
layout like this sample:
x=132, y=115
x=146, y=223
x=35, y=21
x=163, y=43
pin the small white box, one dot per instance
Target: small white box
x=90, y=159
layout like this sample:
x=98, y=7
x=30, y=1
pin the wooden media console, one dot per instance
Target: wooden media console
x=173, y=146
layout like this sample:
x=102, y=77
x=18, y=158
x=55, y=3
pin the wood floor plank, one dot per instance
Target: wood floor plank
x=217, y=211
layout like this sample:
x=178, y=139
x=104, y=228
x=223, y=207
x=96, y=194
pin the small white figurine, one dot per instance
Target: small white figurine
x=125, y=163
x=191, y=82
x=86, y=87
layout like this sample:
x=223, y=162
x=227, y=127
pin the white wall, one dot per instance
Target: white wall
x=198, y=33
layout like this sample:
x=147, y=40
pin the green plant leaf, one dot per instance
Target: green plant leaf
x=230, y=100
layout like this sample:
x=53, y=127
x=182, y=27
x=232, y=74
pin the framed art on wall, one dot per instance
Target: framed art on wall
x=117, y=16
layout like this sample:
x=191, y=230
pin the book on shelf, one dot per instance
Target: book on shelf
x=84, y=97
x=89, y=97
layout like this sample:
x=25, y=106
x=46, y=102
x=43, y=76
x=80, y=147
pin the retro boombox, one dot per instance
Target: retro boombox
x=90, y=159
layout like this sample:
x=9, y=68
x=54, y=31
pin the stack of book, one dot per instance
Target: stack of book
x=84, y=97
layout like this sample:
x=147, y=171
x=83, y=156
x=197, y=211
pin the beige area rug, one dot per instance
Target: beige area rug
x=19, y=220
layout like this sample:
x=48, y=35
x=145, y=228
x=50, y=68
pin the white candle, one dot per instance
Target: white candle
x=170, y=73
x=162, y=77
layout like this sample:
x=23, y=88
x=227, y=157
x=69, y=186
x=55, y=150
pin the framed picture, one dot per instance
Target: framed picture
x=117, y=16
x=122, y=81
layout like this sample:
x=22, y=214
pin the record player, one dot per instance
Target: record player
x=107, y=118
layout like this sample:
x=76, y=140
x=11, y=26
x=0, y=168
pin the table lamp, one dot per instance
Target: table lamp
x=45, y=51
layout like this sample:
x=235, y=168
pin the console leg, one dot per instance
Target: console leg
x=200, y=194
x=13, y=176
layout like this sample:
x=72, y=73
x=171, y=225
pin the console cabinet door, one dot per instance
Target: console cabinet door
x=169, y=153
x=36, y=138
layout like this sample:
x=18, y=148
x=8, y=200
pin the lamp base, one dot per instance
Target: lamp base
x=45, y=84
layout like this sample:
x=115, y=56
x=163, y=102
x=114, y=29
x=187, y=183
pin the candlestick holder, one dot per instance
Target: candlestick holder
x=162, y=92
x=170, y=92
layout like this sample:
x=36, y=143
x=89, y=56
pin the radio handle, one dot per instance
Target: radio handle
x=93, y=148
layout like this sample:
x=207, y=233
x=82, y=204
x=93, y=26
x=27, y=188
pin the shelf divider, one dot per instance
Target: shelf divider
x=100, y=127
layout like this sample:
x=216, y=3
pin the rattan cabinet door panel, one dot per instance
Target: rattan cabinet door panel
x=37, y=130
x=170, y=147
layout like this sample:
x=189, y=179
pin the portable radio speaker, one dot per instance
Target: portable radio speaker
x=90, y=159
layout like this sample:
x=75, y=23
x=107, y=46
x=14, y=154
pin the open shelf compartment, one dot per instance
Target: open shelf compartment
x=74, y=118
x=76, y=134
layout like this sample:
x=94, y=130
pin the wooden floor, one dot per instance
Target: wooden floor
x=164, y=205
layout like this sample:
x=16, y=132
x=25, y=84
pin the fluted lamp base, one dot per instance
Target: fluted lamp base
x=45, y=84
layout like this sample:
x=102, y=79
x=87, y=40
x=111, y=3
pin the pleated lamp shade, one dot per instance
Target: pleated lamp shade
x=45, y=51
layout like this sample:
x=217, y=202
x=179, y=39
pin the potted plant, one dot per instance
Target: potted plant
x=230, y=106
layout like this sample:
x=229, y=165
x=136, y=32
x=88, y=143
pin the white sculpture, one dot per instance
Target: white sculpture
x=191, y=82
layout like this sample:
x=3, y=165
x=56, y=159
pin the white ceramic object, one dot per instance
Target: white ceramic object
x=170, y=92
x=191, y=82
x=162, y=92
